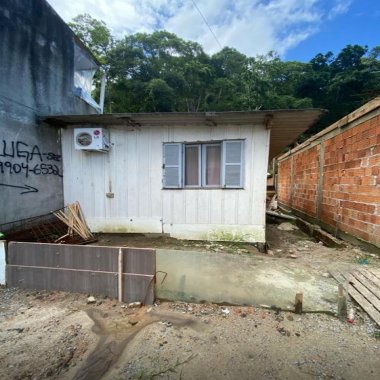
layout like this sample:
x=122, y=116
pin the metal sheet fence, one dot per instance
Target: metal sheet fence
x=124, y=273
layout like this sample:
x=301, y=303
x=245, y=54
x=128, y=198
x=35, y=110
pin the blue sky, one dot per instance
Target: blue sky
x=359, y=25
x=296, y=29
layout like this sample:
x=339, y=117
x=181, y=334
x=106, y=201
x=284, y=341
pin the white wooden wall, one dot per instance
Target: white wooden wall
x=132, y=170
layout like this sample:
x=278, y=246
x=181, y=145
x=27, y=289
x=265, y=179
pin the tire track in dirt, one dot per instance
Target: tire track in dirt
x=115, y=337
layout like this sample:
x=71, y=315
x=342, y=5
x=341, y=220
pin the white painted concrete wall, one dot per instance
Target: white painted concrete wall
x=132, y=170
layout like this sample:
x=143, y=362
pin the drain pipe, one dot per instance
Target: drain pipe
x=120, y=276
x=102, y=92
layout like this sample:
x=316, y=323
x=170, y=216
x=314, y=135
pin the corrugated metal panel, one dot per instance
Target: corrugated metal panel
x=84, y=269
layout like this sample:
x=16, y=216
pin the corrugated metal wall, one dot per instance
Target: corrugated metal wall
x=84, y=269
x=132, y=170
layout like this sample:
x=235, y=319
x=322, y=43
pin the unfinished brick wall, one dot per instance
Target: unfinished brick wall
x=305, y=180
x=284, y=181
x=348, y=196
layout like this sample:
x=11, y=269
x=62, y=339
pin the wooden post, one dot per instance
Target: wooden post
x=342, y=303
x=120, y=275
x=298, y=303
x=340, y=290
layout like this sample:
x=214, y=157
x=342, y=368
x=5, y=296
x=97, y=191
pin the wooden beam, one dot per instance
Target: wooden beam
x=298, y=303
x=268, y=121
x=210, y=122
x=120, y=275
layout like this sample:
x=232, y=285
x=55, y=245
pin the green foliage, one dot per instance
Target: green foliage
x=94, y=34
x=161, y=72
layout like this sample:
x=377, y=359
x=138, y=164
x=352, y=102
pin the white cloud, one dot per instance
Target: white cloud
x=340, y=7
x=251, y=26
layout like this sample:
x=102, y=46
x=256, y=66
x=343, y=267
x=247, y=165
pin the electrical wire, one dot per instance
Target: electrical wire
x=208, y=25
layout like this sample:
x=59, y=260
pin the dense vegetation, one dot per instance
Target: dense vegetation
x=161, y=72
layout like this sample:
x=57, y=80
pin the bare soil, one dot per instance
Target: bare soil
x=59, y=335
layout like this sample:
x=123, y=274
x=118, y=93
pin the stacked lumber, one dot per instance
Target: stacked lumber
x=73, y=217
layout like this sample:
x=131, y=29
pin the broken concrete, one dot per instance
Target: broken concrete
x=241, y=280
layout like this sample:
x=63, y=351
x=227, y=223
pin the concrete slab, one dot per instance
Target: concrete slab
x=194, y=276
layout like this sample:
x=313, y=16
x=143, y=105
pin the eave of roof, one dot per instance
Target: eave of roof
x=285, y=125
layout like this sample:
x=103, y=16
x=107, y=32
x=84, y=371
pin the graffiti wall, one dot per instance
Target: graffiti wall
x=21, y=160
x=30, y=172
x=37, y=55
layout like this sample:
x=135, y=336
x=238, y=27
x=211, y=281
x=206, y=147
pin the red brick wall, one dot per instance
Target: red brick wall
x=305, y=180
x=351, y=181
x=351, y=184
x=284, y=181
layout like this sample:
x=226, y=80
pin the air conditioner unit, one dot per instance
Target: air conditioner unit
x=91, y=139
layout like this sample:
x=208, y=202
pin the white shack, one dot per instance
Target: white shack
x=195, y=176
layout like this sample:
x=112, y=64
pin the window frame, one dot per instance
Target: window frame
x=178, y=166
x=204, y=164
x=202, y=155
x=192, y=145
x=241, y=164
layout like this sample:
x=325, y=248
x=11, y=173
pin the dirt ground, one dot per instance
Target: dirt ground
x=58, y=335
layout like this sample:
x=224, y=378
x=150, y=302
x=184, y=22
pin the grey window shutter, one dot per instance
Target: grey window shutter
x=172, y=165
x=233, y=162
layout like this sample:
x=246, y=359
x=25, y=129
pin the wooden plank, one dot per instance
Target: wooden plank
x=120, y=276
x=368, y=283
x=339, y=278
x=370, y=310
x=363, y=291
x=375, y=272
x=370, y=276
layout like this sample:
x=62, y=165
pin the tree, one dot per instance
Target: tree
x=159, y=96
x=94, y=34
x=160, y=72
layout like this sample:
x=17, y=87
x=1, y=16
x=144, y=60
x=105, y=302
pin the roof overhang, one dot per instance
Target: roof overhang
x=285, y=125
